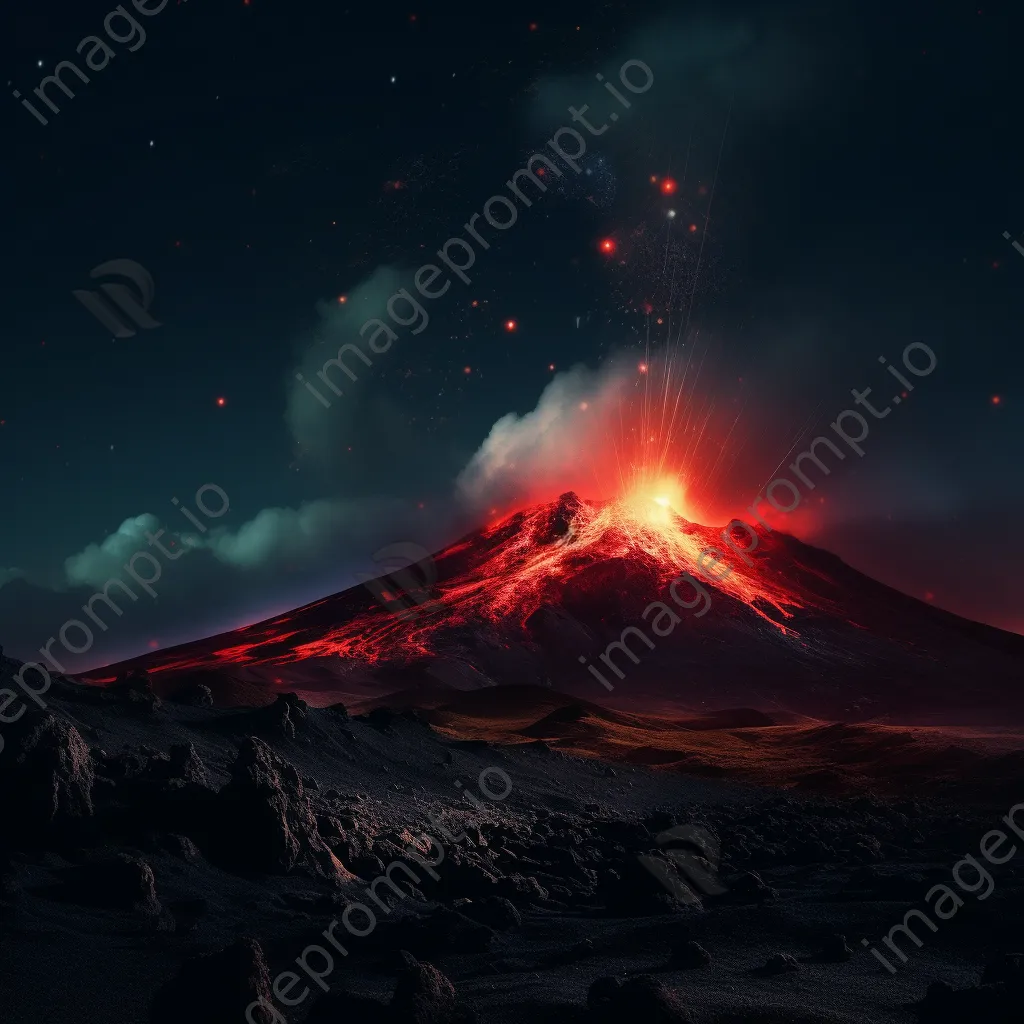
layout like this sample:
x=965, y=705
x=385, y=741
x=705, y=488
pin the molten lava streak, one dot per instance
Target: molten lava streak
x=527, y=568
x=527, y=560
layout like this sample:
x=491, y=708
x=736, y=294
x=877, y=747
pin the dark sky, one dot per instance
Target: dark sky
x=849, y=170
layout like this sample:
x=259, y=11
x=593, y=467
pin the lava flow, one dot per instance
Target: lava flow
x=496, y=579
x=528, y=568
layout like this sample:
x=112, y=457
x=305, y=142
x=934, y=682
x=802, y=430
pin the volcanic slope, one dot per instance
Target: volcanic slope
x=525, y=600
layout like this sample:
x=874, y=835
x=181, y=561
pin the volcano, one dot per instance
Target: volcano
x=585, y=597
x=825, y=742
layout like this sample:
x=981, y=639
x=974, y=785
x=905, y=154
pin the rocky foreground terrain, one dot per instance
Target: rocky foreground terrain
x=171, y=862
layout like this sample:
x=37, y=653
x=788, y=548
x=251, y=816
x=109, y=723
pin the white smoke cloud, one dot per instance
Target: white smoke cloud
x=321, y=431
x=551, y=449
x=278, y=534
x=98, y=563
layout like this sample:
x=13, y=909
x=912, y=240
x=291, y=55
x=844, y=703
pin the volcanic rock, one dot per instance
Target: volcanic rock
x=267, y=822
x=231, y=985
x=285, y=717
x=494, y=911
x=121, y=882
x=133, y=690
x=645, y=886
x=644, y=998
x=183, y=763
x=834, y=951
x=689, y=954
x=180, y=846
x=565, y=510
x=751, y=888
x=423, y=994
x=199, y=696
x=47, y=777
x=781, y=963
x=521, y=889
x=449, y=930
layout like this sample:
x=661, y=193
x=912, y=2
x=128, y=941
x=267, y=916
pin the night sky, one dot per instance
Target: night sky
x=840, y=179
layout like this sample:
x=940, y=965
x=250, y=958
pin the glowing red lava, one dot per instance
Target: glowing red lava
x=503, y=575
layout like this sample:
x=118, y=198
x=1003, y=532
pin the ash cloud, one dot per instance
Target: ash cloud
x=550, y=449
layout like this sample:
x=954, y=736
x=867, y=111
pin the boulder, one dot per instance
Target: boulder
x=230, y=985
x=47, y=775
x=641, y=998
x=423, y=994
x=267, y=823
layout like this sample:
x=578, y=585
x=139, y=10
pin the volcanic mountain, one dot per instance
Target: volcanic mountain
x=546, y=594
